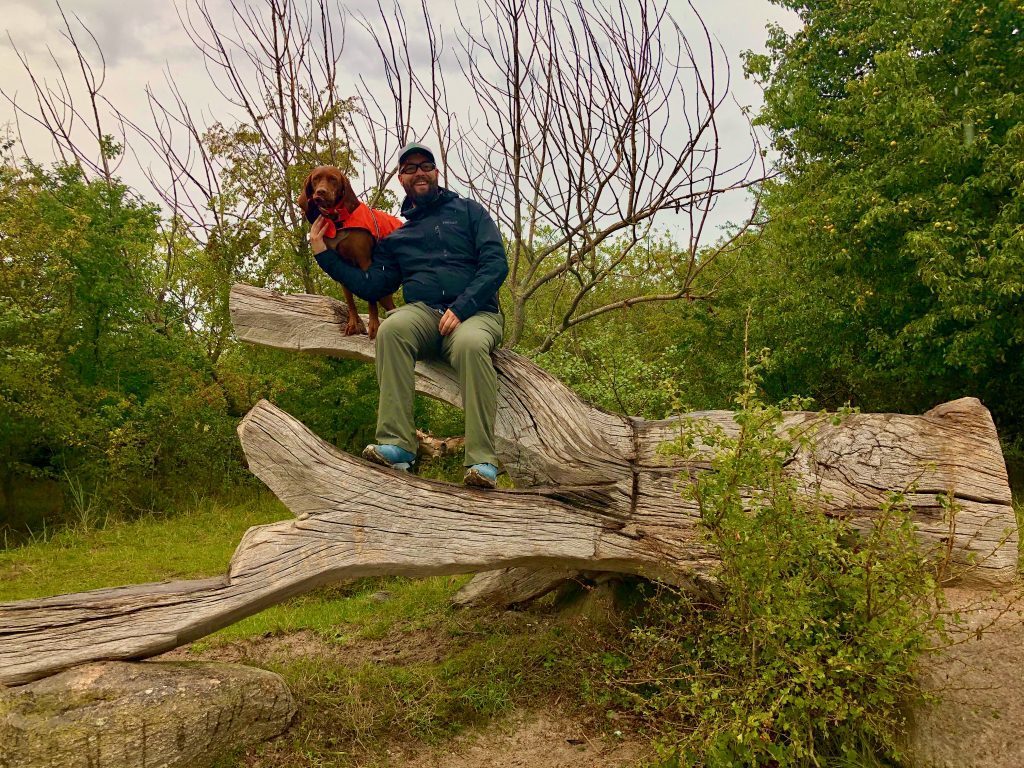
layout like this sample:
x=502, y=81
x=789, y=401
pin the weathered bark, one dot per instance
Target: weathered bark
x=118, y=715
x=546, y=435
x=610, y=502
x=354, y=519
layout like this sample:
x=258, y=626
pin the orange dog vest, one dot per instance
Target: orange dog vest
x=377, y=223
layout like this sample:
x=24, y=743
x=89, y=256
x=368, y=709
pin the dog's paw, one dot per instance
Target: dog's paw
x=354, y=328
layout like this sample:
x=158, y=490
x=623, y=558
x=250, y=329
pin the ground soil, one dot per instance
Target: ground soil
x=538, y=739
x=976, y=712
x=411, y=647
x=542, y=737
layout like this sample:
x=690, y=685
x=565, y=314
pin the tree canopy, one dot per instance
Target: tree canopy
x=890, y=270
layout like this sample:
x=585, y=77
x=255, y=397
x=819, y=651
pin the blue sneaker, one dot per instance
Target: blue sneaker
x=482, y=476
x=393, y=456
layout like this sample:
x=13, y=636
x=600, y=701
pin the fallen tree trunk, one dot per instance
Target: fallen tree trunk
x=606, y=500
x=546, y=435
x=511, y=586
x=354, y=519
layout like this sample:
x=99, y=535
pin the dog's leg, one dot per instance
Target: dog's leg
x=374, y=321
x=388, y=302
x=355, y=324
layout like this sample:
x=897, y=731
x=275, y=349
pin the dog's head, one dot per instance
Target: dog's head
x=326, y=187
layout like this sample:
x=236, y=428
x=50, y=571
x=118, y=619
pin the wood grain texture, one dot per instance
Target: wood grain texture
x=511, y=586
x=120, y=715
x=598, y=497
x=353, y=519
x=547, y=435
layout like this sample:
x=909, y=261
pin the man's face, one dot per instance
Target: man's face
x=420, y=185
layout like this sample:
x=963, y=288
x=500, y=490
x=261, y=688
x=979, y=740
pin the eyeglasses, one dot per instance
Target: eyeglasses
x=411, y=168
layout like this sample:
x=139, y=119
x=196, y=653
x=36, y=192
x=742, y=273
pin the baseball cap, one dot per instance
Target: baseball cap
x=412, y=147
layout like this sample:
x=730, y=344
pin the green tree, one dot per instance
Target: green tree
x=99, y=389
x=892, y=264
x=34, y=284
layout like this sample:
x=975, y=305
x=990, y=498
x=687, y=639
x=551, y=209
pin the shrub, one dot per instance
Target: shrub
x=805, y=655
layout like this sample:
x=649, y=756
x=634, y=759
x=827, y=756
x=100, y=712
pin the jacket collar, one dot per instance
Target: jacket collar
x=411, y=211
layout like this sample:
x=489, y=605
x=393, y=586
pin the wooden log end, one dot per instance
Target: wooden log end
x=102, y=714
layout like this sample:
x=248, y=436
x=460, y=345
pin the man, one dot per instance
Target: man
x=450, y=261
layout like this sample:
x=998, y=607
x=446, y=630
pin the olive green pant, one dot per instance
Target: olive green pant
x=409, y=334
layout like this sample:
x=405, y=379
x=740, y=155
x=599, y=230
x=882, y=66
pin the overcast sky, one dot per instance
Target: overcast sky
x=144, y=40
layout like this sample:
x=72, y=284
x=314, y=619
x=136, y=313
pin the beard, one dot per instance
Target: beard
x=427, y=196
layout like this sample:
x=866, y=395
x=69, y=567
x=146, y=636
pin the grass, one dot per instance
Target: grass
x=389, y=665
x=355, y=711
x=199, y=543
x=365, y=609
x=190, y=545
x=380, y=662
x=1019, y=509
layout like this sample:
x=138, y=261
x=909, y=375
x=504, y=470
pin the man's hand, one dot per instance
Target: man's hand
x=316, y=236
x=449, y=322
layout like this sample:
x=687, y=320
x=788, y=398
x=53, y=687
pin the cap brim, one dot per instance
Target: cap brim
x=415, y=149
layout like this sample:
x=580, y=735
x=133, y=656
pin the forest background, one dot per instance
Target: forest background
x=882, y=262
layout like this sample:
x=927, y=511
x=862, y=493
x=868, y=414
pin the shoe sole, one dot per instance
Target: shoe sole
x=475, y=479
x=370, y=454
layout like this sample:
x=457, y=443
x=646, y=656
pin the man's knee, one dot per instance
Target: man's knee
x=397, y=327
x=471, y=346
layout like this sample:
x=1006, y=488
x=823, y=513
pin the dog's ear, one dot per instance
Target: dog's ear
x=306, y=201
x=348, y=195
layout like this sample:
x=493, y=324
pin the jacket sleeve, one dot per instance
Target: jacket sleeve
x=492, y=265
x=382, y=278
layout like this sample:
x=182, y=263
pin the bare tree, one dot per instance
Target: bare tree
x=58, y=113
x=229, y=185
x=232, y=182
x=578, y=125
x=575, y=124
x=584, y=124
x=275, y=64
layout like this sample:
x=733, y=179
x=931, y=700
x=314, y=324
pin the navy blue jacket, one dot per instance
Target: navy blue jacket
x=448, y=254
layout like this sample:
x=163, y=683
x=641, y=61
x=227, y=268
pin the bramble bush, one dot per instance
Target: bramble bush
x=804, y=657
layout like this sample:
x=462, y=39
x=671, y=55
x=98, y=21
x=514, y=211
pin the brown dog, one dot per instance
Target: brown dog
x=355, y=232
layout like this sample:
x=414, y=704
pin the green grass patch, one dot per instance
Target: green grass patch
x=361, y=609
x=188, y=545
x=388, y=661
